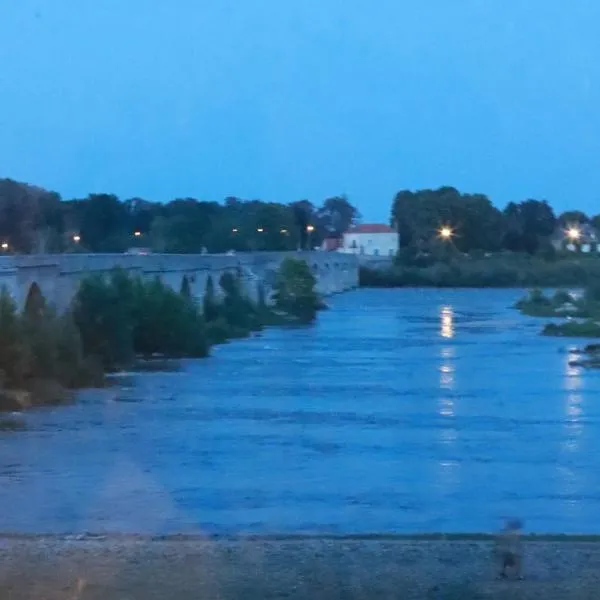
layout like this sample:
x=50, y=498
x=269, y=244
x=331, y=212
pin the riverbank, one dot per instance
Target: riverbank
x=493, y=271
x=301, y=569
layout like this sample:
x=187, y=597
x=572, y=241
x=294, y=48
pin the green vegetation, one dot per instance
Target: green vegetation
x=117, y=320
x=33, y=220
x=452, y=239
x=536, y=304
x=123, y=317
x=41, y=354
x=583, y=314
x=581, y=329
x=295, y=291
x=493, y=271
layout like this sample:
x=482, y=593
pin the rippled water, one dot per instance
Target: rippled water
x=401, y=411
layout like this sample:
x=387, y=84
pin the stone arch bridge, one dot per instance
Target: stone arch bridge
x=57, y=276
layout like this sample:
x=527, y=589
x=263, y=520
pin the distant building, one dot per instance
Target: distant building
x=578, y=238
x=371, y=240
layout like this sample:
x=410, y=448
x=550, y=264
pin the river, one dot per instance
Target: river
x=401, y=411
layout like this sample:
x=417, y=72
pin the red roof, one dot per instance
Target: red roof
x=371, y=228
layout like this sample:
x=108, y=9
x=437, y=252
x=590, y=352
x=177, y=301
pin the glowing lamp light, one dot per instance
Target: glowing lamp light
x=310, y=228
x=260, y=229
x=137, y=233
x=573, y=233
x=284, y=231
x=235, y=230
x=76, y=239
x=4, y=245
x=446, y=233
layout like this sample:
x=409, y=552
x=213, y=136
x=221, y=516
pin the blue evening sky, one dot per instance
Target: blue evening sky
x=289, y=99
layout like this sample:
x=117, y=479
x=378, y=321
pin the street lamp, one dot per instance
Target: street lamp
x=284, y=231
x=446, y=233
x=137, y=233
x=76, y=239
x=260, y=229
x=573, y=233
x=234, y=230
x=4, y=245
x=310, y=229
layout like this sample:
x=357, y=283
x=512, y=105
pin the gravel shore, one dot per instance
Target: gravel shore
x=49, y=568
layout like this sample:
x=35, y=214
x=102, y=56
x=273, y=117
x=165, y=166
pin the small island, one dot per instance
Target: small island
x=580, y=318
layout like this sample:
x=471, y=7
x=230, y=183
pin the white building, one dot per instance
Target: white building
x=371, y=240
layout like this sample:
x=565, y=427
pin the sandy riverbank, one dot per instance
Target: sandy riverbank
x=305, y=569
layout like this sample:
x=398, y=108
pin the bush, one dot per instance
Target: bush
x=561, y=298
x=123, y=316
x=167, y=323
x=102, y=310
x=585, y=329
x=39, y=346
x=237, y=309
x=500, y=270
x=294, y=290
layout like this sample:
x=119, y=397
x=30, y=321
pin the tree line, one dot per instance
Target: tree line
x=473, y=223
x=34, y=220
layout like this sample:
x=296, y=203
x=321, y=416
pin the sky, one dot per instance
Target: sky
x=282, y=100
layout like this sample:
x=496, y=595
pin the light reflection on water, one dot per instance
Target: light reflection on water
x=573, y=402
x=447, y=322
x=401, y=411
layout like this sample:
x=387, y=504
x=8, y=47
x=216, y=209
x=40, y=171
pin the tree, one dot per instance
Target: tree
x=294, y=290
x=210, y=304
x=337, y=215
x=105, y=323
x=528, y=223
x=30, y=217
x=476, y=224
x=11, y=349
x=236, y=307
x=304, y=214
x=573, y=217
x=105, y=224
x=167, y=323
x=188, y=224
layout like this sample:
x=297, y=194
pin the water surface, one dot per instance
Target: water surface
x=400, y=411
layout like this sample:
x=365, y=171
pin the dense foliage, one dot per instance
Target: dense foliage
x=500, y=270
x=116, y=320
x=477, y=225
x=580, y=313
x=295, y=290
x=38, y=345
x=35, y=220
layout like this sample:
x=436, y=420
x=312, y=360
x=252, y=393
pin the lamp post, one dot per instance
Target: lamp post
x=76, y=238
x=573, y=235
x=309, y=230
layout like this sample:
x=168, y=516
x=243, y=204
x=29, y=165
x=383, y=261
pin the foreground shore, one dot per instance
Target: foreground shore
x=124, y=568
